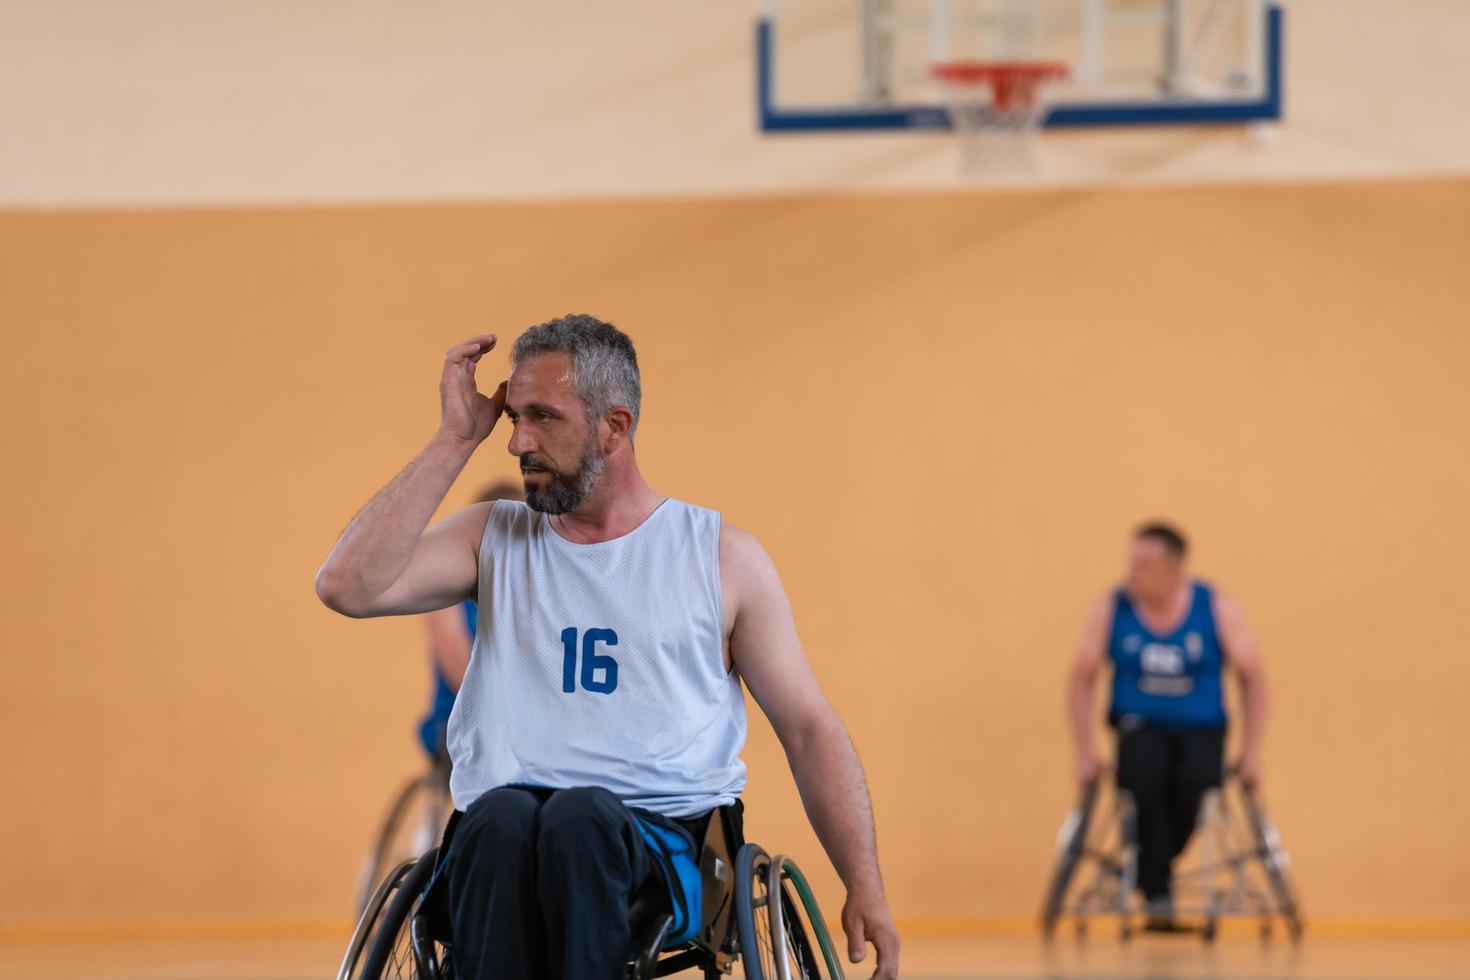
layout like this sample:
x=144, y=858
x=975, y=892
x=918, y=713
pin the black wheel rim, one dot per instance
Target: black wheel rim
x=390, y=951
x=1069, y=857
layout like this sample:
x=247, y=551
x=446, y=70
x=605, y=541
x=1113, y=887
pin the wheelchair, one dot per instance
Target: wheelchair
x=410, y=827
x=1239, y=866
x=758, y=912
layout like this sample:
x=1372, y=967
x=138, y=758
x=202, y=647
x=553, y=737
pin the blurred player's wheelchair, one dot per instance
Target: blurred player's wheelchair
x=411, y=826
x=1239, y=868
x=758, y=911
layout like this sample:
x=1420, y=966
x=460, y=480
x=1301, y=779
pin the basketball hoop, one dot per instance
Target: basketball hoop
x=997, y=108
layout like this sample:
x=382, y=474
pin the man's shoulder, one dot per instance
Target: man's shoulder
x=506, y=518
x=688, y=507
x=736, y=539
x=742, y=557
x=1103, y=609
x=1222, y=604
x=693, y=519
x=1207, y=589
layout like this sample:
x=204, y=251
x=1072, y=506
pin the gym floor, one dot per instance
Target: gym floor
x=925, y=956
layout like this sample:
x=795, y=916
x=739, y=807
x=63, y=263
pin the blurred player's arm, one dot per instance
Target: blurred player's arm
x=766, y=651
x=449, y=642
x=1244, y=657
x=1091, y=647
x=385, y=563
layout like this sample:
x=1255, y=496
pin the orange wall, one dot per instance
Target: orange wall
x=940, y=413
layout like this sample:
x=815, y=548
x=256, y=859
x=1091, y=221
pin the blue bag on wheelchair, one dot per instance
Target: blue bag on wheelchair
x=676, y=855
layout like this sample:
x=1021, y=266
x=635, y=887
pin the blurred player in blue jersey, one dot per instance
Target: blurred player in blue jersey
x=1169, y=638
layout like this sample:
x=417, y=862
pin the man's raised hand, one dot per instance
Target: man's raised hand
x=466, y=415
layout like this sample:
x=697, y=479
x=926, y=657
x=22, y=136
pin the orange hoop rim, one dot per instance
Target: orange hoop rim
x=977, y=72
x=1013, y=84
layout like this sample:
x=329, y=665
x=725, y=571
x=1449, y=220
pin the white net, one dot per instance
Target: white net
x=997, y=109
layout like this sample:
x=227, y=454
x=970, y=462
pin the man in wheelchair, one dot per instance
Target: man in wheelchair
x=1168, y=638
x=601, y=718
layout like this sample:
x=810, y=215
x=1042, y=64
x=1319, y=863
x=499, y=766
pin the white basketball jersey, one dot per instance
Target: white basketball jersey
x=601, y=665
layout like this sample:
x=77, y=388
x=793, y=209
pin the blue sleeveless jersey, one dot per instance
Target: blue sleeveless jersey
x=434, y=725
x=1172, y=679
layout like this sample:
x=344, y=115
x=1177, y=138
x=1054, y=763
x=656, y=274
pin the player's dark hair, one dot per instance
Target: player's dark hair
x=1165, y=534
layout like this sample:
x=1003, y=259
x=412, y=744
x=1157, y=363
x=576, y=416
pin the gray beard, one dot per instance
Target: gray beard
x=566, y=491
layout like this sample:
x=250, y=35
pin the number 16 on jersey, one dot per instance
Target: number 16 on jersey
x=592, y=661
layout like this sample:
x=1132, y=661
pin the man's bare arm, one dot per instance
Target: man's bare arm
x=767, y=653
x=1091, y=647
x=385, y=563
x=1244, y=657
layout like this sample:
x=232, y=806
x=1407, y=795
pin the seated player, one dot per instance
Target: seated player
x=451, y=631
x=602, y=716
x=1168, y=638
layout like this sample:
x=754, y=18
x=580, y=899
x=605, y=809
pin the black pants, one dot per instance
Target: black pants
x=1168, y=771
x=536, y=884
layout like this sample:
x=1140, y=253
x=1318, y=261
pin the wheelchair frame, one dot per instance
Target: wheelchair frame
x=393, y=940
x=1241, y=868
x=431, y=789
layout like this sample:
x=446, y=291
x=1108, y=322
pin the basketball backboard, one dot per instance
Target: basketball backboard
x=832, y=65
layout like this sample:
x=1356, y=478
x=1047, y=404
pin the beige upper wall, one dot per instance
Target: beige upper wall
x=242, y=101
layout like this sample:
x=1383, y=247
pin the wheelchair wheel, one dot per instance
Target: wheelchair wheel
x=1274, y=860
x=1071, y=843
x=1128, y=876
x=781, y=932
x=371, y=921
x=809, y=945
x=412, y=826
x=383, y=944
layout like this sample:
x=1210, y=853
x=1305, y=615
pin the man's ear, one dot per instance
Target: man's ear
x=619, y=422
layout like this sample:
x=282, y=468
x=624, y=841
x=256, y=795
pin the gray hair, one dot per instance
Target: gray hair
x=604, y=364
